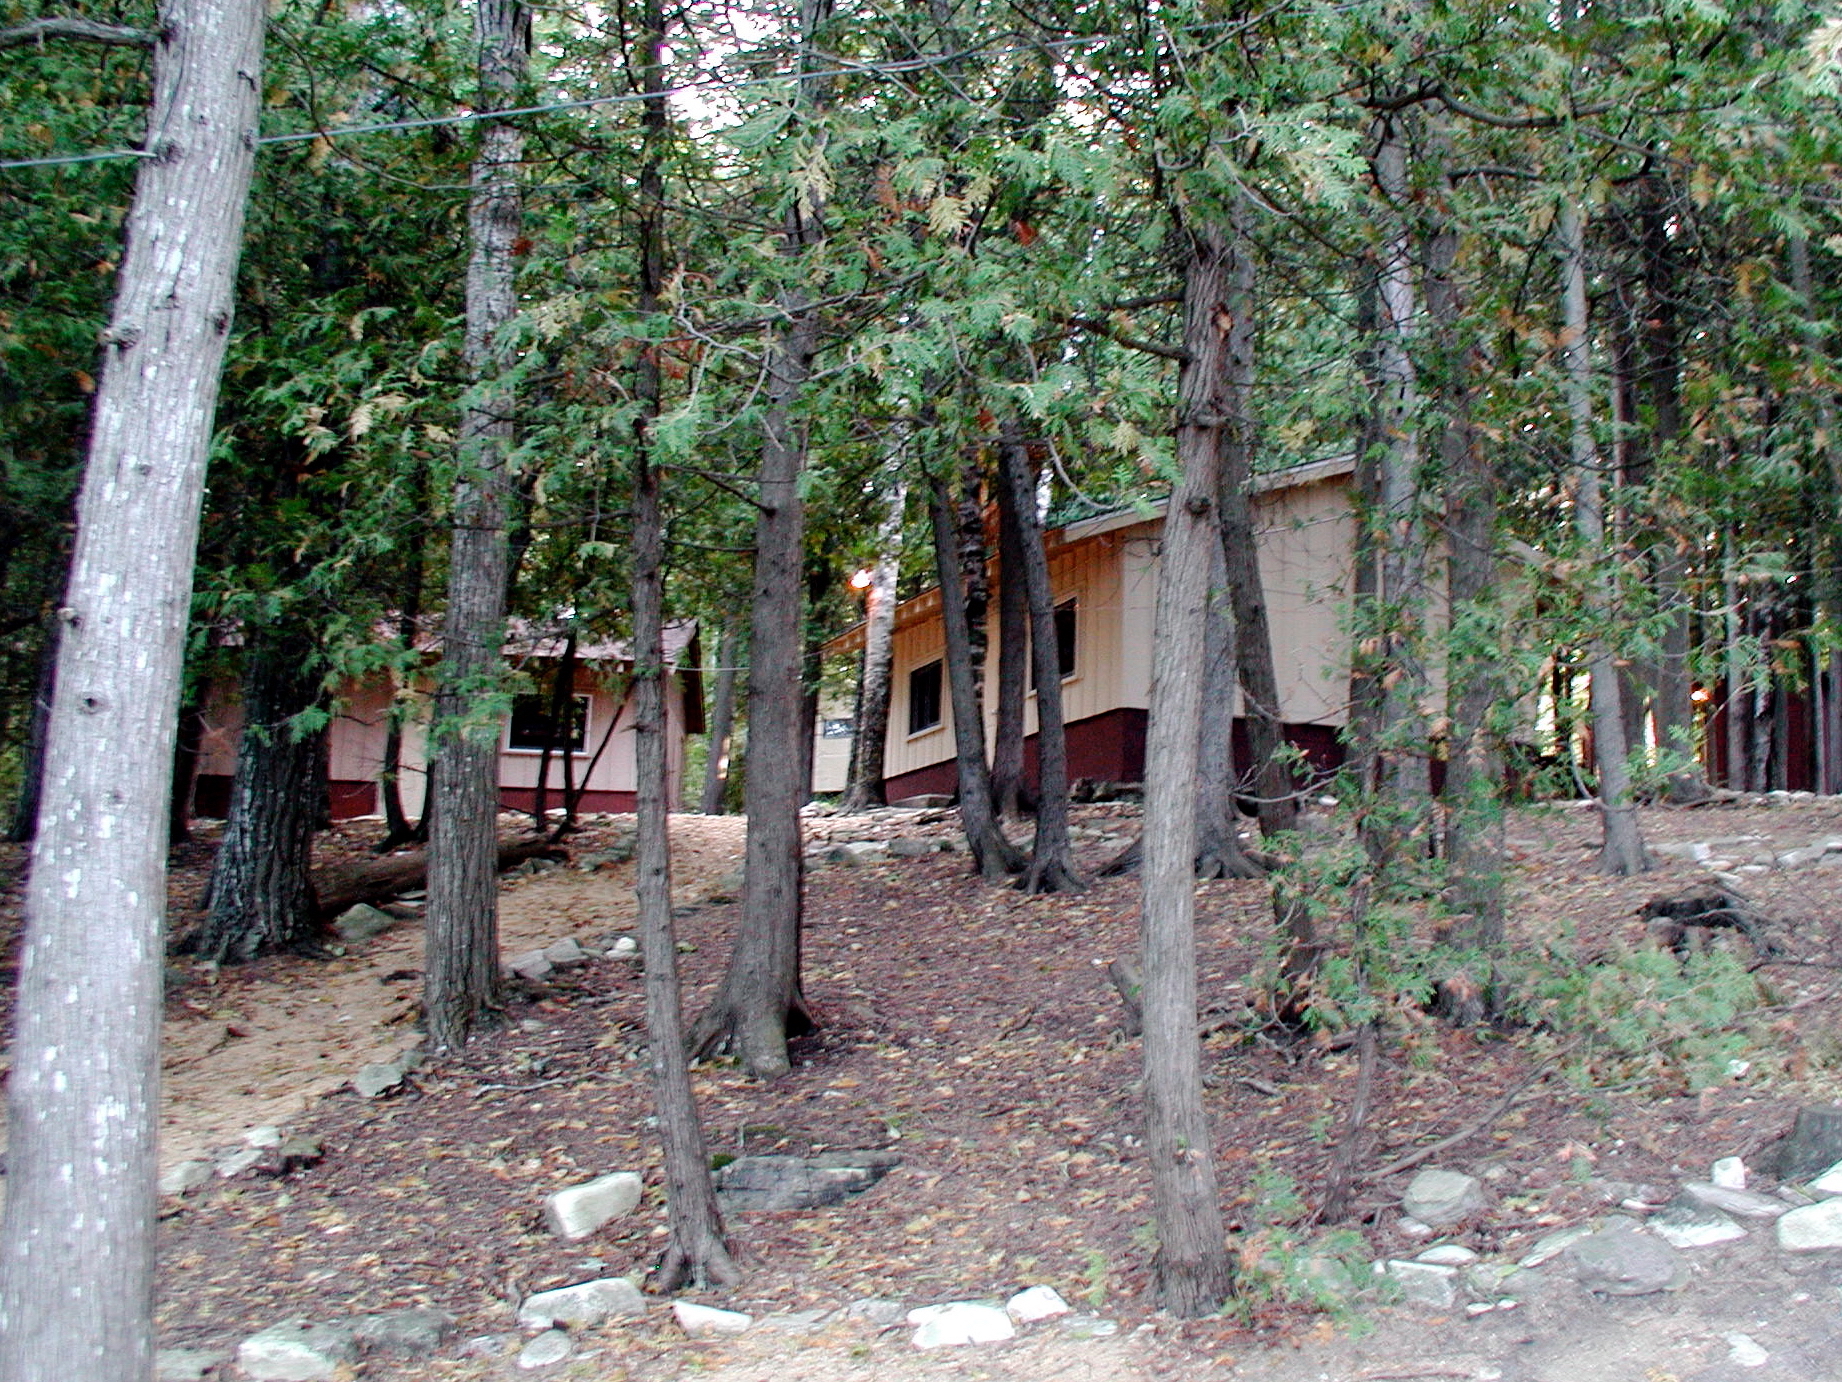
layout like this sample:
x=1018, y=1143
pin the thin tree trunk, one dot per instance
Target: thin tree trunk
x=262, y=897
x=1623, y=851
x=185, y=771
x=696, y=1249
x=1192, y=1270
x=872, y=727
x=1219, y=853
x=994, y=858
x=77, y=1249
x=1473, y=795
x=560, y=734
x=760, y=1004
x=1009, y=795
x=722, y=720
x=462, y=965
x=1275, y=794
x=1052, y=857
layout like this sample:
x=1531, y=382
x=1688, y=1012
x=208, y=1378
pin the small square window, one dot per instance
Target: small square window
x=924, y=697
x=531, y=728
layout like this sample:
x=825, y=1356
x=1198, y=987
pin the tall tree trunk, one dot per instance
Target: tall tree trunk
x=696, y=1249
x=262, y=897
x=397, y=829
x=1396, y=824
x=872, y=728
x=993, y=856
x=760, y=1004
x=77, y=1250
x=1009, y=795
x=463, y=913
x=1473, y=795
x=1219, y=853
x=1274, y=791
x=1623, y=851
x=1826, y=541
x=1052, y=856
x=722, y=720
x=560, y=733
x=1192, y=1270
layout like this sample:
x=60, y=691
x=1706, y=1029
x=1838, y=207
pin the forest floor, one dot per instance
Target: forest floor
x=972, y=1030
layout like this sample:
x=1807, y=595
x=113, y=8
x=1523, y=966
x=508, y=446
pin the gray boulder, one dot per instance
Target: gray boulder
x=412, y=1333
x=297, y=1352
x=545, y=1351
x=1814, y=1228
x=380, y=1077
x=1626, y=1262
x=766, y=1184
x=584, y=1304
x=1686, y=1222
x=362, y=922
x=1439, y=1198
x=1743, y=1204
x=906, y=848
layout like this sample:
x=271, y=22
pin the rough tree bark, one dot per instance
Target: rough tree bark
x=1275, y=794
x=1623, y=851
x=1052, y=856
x=262, y=897
x=760, y=1003
x=1219, y=852
x=696, y=1250
x=1192, y=1269
x=77, y=1251
x=872, y=729
x=722, y=720
x=463, y=914
x=994, y=857
x=1009, y=795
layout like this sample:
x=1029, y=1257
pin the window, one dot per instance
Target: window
x=924, y=697
x=1064, y=642
x=531, y=729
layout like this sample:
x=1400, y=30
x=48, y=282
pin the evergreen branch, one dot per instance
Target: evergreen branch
x=1118, y=337
x=83, y=30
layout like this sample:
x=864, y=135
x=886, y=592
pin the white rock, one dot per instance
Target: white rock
x=187, y=1175
x=1447, y=1255
x=581, y=1209
x=1747, y=1204
x=1743, y=1350
x=1830, y=1182
x=1036, y=1303
x=237, y=1162
x=1729, y=1173
x=1552, y=1245
x=1697, y=1234
x=1425, y=1283
x=626, y=948
x=546, y=1350
x=586, y=1303
x=565, y=953
x=1814, y=1228
x=962, y=1322
x=531, y=966
x=706, y=1321
x=266, y=1136
x=297, y=1352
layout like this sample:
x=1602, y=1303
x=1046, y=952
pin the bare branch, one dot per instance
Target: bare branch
x=83, y=30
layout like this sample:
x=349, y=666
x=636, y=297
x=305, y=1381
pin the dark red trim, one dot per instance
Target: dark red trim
x=525, y=799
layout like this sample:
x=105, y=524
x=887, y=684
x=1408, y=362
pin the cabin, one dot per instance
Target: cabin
x=601, y=747
x=1104, y=573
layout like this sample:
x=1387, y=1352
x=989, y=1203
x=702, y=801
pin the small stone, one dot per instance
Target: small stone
x=1036, y=1303
x=297, y=1352
x=361, y=923
x=545, y=1351
x=586, y=1303
x=484, y=1346
x=188, y=1364
x=1552, y=1245
x=1447, y=1255
x=566, y=953
x=1440, y=1198
x=1087, y=1327
x=412, y=1333
x=1425, y=1283
x=1625, y=1262
x=962, y=1322
x=1830, y=1182
x=906, y=848
x=378, y=1078
x=794, y=1322
x=266, y=1136
x=876, y=1311
x=581, y=1209
x=1745, y=1204
x=1744, y=1351
x=707, y=1322
x=533, y=966
x=1729, y=1173
x=1814, y=1228
x=187, y=1175
x=235, y=1163
x=626, y=948
x=1686, y=1222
